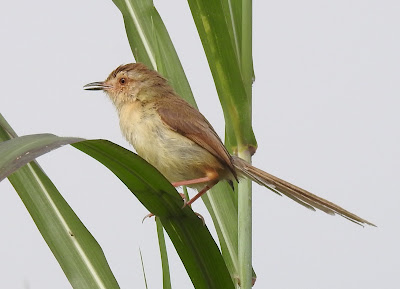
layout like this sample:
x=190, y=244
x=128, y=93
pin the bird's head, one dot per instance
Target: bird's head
x=132, y=82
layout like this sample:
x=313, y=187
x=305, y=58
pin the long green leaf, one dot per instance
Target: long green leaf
x=163, y=255
x=192, y=240
x=220, y=50
x=151, y=44
x=15, y=153
x=224, y=27
x=77, y=252
x=233, y=15
x=223, y=210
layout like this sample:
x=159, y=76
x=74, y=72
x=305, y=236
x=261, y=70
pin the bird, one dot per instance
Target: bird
x=180, y=142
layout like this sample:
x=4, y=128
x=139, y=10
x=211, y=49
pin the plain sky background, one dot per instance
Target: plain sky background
x=326, y=117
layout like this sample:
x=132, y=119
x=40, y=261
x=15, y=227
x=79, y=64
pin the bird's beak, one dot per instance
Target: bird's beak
x=100, y=85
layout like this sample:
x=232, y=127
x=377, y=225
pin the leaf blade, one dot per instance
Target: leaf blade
x=150, y=43
x=77, y=252
x=17, y=152
x=215, y=34
x=163, y=255
x=192, y=240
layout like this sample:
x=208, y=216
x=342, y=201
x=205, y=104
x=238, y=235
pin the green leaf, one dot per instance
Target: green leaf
x=163, y=255
x=224, y=27
x=233, y=15
x=17, y=152
x=212, y=26
x=191, y=238
x=151, y=44
x=223, y=210
x=77, y=252
x=143, y=270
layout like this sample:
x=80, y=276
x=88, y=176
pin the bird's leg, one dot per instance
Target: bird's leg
x=202, y=192
x=211, y=179
x=190, y=182
x=186, y=203
x=193, y=182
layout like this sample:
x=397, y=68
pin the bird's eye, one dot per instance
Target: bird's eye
x=122, y=81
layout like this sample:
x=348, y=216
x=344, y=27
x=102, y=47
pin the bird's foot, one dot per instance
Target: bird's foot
x=148, y=216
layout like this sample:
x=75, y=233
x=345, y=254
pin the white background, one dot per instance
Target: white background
x=326, y=117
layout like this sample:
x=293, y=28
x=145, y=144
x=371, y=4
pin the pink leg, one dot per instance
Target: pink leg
x=211, y=179
x=202, y=192
x=192, y=182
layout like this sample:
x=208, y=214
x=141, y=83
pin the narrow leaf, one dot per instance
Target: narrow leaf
x=224, y=27
x=77, y=252
x=17, y=152
x=151, y=44
x=212, y=26
x=191, y=238
x=143, y=270
x=194, y=244
x=163, y=255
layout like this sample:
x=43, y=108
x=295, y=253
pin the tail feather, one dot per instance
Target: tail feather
x=297, y=194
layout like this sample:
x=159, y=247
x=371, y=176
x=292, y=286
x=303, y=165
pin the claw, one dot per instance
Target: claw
x=185, y=201
x=147, y=216
x=201, y=218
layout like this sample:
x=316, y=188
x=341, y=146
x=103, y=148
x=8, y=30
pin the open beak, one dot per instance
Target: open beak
x=100, y=85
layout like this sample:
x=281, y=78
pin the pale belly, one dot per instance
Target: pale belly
x=175, y=156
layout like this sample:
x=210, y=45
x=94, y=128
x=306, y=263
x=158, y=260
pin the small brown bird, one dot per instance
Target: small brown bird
x=178, y=140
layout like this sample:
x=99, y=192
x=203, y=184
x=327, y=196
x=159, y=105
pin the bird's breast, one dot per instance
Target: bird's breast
x=175, y=156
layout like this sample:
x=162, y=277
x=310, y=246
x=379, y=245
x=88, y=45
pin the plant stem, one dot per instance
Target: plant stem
x=244, y=189
x=245, y=228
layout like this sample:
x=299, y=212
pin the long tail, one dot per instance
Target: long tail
x=297, y=194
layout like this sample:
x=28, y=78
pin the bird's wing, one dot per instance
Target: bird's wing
x=189, y=122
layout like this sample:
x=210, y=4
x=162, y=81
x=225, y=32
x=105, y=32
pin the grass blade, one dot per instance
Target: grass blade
x=223, y=210
x=163, y=255
x=151, y=44
x=192, y=240
x=58, y=224
x=75, y=249
x=143, y=270
x=17, y=152
x=214, y=33
x=225, y=30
